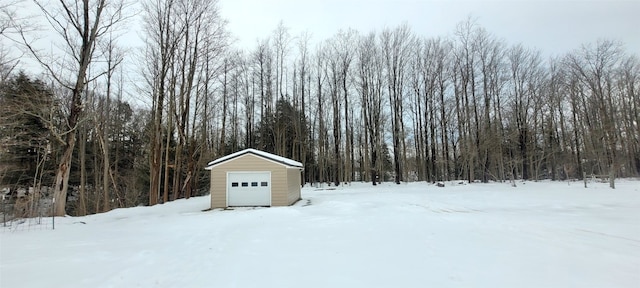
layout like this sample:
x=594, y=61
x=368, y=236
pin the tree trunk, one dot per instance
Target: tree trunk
x=64, y=168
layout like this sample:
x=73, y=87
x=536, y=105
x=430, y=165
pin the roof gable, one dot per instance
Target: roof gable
x=268, y=156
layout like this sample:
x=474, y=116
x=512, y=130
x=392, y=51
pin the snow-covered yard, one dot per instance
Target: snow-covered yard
x=410, y=235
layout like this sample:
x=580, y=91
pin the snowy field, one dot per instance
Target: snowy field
x=410, y=235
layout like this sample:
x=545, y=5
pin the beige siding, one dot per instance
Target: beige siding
x=279, y=187
x=218, y=188
x=249, y=163
x=294, y=183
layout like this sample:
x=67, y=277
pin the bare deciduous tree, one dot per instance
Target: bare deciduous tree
x=396, y=45
x=80, y=26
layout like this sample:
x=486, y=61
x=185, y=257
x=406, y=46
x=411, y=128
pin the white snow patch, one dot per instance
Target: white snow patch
x=544, y=234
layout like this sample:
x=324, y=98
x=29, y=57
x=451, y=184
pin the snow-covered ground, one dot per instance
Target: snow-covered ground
x=410, y=235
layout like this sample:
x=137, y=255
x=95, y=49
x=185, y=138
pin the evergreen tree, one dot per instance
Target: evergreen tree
x=277, y=133
x=27, y=109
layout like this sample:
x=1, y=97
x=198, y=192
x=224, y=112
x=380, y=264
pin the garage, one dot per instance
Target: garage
x=249, y=188
x=254, y=178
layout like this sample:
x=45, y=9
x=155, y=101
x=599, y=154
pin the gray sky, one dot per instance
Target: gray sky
x=555, y=27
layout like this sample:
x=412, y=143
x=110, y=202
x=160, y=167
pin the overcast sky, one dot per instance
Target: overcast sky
x=555, y=27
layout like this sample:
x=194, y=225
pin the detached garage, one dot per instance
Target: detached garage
x=254, y=178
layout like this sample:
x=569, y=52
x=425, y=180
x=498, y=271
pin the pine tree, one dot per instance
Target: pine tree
x=26, y=106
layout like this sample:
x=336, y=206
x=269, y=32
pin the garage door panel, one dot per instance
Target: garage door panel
x=249, y=188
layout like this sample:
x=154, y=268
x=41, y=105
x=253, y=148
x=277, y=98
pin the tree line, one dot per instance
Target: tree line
x=379, y=106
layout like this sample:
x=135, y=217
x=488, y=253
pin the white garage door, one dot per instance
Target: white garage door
x=249, y=189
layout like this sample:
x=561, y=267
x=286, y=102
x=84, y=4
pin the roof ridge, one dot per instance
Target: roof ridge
x=270, y=156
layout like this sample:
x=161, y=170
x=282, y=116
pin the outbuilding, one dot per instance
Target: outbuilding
x=254, y=178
